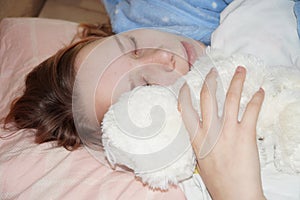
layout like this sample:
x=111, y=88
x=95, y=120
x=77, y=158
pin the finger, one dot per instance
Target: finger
x=189, y=114
x=253, y=108
x=233, y=96
x=208, y=102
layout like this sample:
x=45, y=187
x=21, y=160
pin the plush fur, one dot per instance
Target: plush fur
x=144, y=130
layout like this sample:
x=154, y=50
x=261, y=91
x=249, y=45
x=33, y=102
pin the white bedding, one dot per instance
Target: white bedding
x=267, y=30
x=262, y=28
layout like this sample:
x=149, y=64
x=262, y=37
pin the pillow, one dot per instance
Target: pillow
x=26, y=42
x=36, y=171
x=264, y=29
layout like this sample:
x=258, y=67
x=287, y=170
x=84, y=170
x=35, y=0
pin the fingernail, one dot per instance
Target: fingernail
x=261, y=90
x=214, y=71
x=239, y=69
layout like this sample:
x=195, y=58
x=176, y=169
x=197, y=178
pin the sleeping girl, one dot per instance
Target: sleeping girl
x=67, y=95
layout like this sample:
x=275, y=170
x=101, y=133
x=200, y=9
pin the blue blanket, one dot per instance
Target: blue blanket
x=192, y=18
x=297, y=13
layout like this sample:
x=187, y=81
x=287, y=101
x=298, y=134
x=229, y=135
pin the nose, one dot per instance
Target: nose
x=159, y=56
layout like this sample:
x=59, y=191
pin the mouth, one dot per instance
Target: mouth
x=190, y=51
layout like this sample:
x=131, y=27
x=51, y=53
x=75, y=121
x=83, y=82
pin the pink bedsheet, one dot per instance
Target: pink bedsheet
x=31, y=171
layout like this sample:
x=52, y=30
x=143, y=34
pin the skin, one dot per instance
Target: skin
x=232, y=169
x=136, y=58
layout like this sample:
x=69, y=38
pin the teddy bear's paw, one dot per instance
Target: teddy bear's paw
x=289, y=137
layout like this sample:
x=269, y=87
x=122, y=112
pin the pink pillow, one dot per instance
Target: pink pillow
x=25, y=42
x=32, y=171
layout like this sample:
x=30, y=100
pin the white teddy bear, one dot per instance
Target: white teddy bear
x=144, y=130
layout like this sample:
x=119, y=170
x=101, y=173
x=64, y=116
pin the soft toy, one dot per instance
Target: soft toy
x=144, y=131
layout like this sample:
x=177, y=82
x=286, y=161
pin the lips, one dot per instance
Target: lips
x=191, y=54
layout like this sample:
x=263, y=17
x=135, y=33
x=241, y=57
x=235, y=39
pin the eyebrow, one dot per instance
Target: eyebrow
x=121, y=46
x=133, y=40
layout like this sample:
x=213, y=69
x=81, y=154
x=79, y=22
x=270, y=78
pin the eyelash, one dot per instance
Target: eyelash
x=146, y=82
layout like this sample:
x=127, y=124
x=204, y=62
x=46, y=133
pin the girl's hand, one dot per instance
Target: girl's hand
x=226, y=149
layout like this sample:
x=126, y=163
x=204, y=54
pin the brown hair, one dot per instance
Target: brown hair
x=46, y=104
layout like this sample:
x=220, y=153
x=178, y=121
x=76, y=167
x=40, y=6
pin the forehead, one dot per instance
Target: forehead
x=85, y=51
x=108, y=49
x=91, y=63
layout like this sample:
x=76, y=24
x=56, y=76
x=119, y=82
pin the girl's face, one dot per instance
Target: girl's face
x=114, y=65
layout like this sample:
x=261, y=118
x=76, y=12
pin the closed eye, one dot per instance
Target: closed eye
x=146, y=82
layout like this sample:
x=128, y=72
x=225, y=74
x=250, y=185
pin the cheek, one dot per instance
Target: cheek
x=162, y=77
x=182, y=66
x=170, y=77
x=102, y=101
x=110, y=87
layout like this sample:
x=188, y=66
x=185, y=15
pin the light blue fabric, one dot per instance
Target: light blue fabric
x=297, y=13
x=192, y=18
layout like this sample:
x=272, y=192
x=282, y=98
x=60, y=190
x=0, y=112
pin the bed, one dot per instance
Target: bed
x=31, y=171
